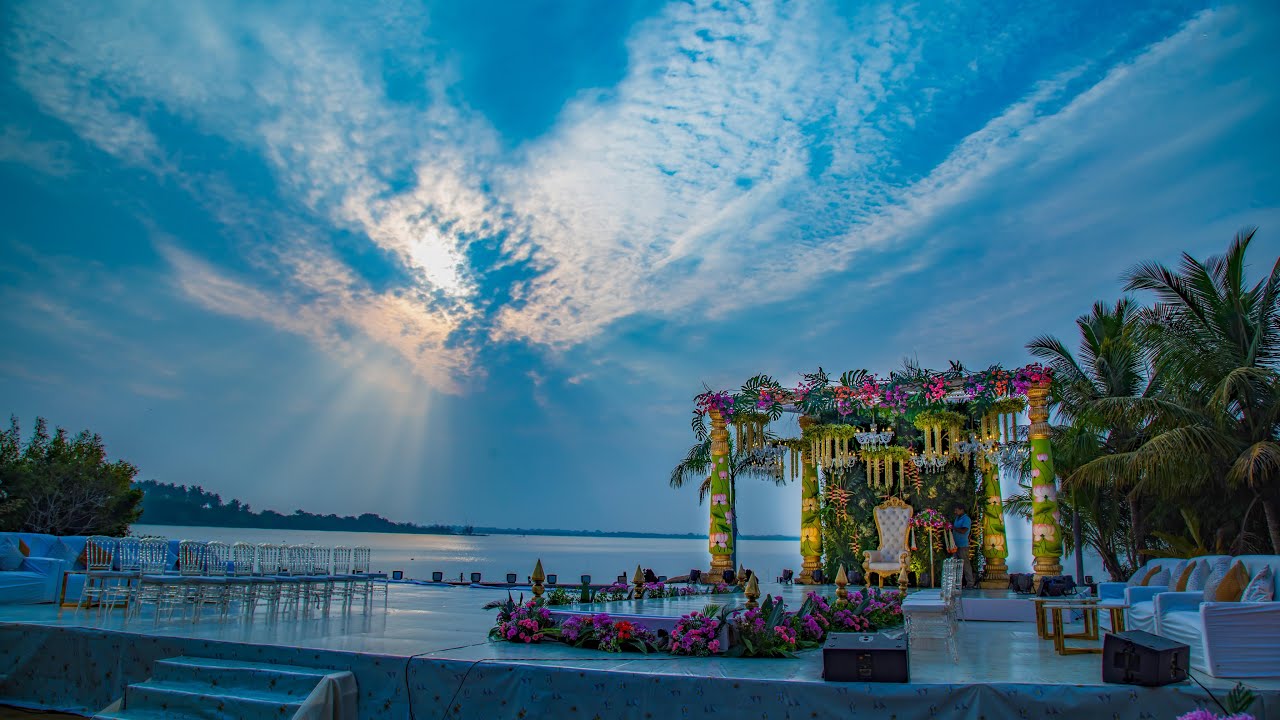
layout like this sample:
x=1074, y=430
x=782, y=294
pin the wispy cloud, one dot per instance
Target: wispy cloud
x=48, y=157
x=749, y=152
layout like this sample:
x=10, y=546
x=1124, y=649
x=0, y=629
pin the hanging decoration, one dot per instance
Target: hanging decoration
x=886, y=468
x=750, y=430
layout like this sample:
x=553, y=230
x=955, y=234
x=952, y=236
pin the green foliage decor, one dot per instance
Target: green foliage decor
x=945, y=418
x=61, y=484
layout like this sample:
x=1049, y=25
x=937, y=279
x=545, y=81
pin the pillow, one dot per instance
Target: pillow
x=1180, y=584
x=1198, y=577
x=10, y=556
x=1150, y=573
x=1160, y=578
x=1136, y=578
x=24, y=548
x=61, y=551
x=1217, y=573
x=1262, y=588
x=1233, y=584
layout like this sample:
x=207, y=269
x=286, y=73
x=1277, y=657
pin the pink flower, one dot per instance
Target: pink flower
x=714, y=646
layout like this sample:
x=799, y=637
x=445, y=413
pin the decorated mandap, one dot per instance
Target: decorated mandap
x=881, y=460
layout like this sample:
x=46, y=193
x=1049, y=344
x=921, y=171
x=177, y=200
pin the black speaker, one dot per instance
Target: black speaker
x=865, y=657
x=1140, y=658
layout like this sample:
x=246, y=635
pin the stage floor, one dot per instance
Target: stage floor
x=432, y=641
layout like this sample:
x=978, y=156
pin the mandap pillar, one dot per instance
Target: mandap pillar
x=810, y=520
x=720, y=534
x=1046, y=526
x=995, y=573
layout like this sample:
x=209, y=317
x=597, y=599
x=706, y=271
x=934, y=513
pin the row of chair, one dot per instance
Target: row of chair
x=134, y=572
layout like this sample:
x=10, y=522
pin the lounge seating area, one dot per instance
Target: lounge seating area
x=1223, y=607
x=185, y=579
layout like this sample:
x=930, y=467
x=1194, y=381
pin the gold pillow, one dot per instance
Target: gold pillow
x=1233, y=585
x=1180, y=585
x=1150, y=574
x=23, y=548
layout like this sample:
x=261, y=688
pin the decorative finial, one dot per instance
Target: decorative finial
x=638, y=580
x=752, y=591
x=842, y=580
x=537, y=578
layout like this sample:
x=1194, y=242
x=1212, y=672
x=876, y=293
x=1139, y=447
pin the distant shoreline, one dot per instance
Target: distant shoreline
x=478, y=531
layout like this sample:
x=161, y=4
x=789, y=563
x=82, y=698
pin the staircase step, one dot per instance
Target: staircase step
x=195, y=700
x=230, y=676
x=133, y=715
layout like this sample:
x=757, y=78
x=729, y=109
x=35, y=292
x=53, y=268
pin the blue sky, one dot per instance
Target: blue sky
x=468, y=262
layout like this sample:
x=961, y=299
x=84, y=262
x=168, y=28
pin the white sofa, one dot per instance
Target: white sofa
x=1139, y=600
x=1227, y=639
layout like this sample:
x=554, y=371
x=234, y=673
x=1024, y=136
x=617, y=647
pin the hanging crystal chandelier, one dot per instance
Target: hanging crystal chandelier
x=876, y=439
x=929, y=462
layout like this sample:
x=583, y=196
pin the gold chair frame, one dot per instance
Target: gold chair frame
x=904, y=556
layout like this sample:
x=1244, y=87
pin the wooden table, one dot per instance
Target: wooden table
x=1060, y=635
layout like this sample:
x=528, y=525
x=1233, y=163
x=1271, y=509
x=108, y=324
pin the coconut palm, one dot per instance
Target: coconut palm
x=696, y=467
x=1108, y=364
x=1214, y=342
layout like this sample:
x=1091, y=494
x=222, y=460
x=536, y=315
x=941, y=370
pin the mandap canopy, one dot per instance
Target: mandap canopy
x=927, y=437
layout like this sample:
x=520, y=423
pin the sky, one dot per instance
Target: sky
x=470, y=262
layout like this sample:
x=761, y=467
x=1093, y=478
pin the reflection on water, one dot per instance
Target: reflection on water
x=496, y=555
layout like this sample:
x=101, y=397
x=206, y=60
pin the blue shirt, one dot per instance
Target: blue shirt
x=960, y=531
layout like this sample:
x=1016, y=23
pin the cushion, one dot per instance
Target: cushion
x=1136, y=578
x=1160, y=578
x=61, y=551
x=1217, y=573
x=1180, y=582
x=1148, y=575
x=1233, y=584
x=24, y=548
x=1196, y=580
x=1262, y=588
x=10, y=556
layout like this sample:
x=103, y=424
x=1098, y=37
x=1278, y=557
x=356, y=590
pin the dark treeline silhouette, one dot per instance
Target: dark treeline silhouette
x=165, y=504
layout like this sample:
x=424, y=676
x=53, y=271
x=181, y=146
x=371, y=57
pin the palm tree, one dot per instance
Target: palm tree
x=1214, y=342
x=1110, y=364
x=696, y=467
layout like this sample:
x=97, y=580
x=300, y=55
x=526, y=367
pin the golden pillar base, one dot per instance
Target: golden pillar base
x=1045, y=567
x=810, y=563
x=720, y=563
x=995, y=576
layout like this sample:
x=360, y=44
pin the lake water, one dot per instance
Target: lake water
x=496, y=555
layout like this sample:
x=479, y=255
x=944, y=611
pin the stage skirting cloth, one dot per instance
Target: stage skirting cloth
x=82, y=670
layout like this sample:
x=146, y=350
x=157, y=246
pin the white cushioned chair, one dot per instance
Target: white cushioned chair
x=1227, y=639
x=1138, y=600
x=893, y=525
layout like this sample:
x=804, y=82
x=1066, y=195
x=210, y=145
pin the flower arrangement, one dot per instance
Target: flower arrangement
x=698, y=633
x=721, y=401
x=758, y=632
x=600, y=632
x=524, y=622
x=930, y=518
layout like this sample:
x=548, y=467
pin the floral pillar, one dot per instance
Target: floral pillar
x=720, y=535
x=810, y=520
x=995, y=573
x=1046, y=528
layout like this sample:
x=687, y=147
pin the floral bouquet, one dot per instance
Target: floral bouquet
x=523, y=622
x=840, y=616
x=1236, y=706
x=763, y=631
x=698, y=633
x=616, y=591
x=930, y=518
x=655, y=590
x=601, y=632
x=883, y=608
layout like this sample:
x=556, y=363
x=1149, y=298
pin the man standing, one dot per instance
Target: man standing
x=960, y=533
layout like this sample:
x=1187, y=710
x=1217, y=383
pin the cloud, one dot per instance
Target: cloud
x=50, y=158
x=749, y=153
